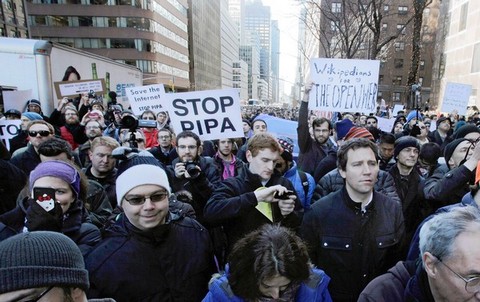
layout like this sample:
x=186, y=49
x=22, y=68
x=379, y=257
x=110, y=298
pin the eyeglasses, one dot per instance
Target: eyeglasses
x=43, y=133
x=183, y=147
x=472, y=285
x=164, y=137
x=92, y=127
x=41, y=295
x=136, y=200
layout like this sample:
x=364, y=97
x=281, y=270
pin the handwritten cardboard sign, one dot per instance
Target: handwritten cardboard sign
x=150, y=97
x=74, y=88
x=344, y=85
x=212, y=114
x=456, y=97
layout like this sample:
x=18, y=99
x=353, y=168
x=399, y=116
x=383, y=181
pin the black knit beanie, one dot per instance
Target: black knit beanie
x=450, y=148
x=405, y=142
x=41, y=259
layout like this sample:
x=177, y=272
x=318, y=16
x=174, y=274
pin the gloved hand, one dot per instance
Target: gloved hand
x=38, y=219
x=415, y=130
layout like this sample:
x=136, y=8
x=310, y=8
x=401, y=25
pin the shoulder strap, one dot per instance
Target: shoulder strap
x=303, y=178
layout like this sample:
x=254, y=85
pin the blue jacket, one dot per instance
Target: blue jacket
x=313, y=290
x=294, y=177
x=414, y=251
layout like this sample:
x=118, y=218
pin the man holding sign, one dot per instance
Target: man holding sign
x=312, y=150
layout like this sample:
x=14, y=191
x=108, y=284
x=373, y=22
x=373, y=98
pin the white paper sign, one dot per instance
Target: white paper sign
x=77, y=87
x=151, y=97
x=9, y=129
x=385, y=124
x=212, y=114
x=396, y=109
x=456, y=97
x=344, y=85
x=16, y=99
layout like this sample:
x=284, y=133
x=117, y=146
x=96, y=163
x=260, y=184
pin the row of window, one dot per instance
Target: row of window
x=397, y=80
x=138, y=44
x=337, y=8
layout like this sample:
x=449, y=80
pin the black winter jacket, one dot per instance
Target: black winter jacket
x=172, y=262
x=333, y=182
x=351, y=245
x=233, y=206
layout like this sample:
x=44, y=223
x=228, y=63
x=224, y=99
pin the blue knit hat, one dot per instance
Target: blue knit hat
x=32, y=116
x=413, y=114
x=342, y=127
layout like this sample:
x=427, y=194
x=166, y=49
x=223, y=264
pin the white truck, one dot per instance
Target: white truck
x=35, y=65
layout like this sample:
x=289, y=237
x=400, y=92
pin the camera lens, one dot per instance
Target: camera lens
x=192, y=169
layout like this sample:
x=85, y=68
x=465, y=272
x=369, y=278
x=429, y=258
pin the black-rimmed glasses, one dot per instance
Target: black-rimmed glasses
x=41, y=295
x=137, y=200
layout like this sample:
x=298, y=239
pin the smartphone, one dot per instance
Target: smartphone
x=284, y=196
x=45, y=197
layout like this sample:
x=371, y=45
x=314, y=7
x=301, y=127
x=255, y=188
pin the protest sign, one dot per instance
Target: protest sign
x=74, y=88
x=397, y=108
x=385, y=124
x=212, y=114
x=344, y=85
x=151, y=97
x=456, y=97
x=16, y=99
x=8, y=130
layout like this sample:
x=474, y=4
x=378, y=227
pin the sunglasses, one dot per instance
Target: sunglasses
x=136, y=200
x=43, y=133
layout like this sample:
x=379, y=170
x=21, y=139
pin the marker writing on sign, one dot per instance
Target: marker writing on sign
x=207, y=106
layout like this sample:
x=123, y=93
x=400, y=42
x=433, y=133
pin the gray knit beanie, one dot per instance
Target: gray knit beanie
x=41, y=259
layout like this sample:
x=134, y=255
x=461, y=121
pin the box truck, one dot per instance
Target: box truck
x=35, y=65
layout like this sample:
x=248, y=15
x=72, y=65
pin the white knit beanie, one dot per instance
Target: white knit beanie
x=141, y=169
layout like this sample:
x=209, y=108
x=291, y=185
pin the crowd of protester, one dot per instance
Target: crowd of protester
x=360, y=214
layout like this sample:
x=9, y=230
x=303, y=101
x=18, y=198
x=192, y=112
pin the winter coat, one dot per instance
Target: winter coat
x=172, y=262
x=446, y=186
x=312, y=290
x=233, y=205
x=201, y=187
x=75, y=224
x=26, y=160
x=293, y=175
x=414, y=251
x=333, y=182
x=389, y=287
x=351, y=245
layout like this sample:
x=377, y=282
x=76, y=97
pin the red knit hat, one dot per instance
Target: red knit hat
x=358, y=132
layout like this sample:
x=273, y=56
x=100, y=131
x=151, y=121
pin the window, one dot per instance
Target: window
x=333, y=26
x=386, y=7
x=463, y=17
x=476, y=58
x=380, y=94
x=420, y=81
x=402, y=10
x=398, y=63
x=399, y=46
x=336, y=7
x=384, y=26
x=397, y=96
x=402, y=28
x=397, y=80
